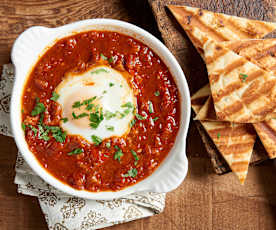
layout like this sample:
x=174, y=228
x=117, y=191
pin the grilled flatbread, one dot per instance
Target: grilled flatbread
x=242, y=91
x=234, y=141
x=218, y=27
x=263, y=54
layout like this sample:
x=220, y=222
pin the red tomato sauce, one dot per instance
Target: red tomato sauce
x=95, y=169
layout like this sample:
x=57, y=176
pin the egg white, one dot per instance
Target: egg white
x=111, y=89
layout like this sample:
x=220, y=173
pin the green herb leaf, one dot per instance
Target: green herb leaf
x=108, y=145
x=33, y=129
x=157, y=93
x=79, y=116
x=100, y=70
x=132, y=122
x=121, y=86
x=150, y=107
x=110, y=60
x=140, y=117
x=90, y=106
x=155, y=119
x=109, y=127
x=88, y=101
x=118, y=155
x=22, y=110
x=127, y=105
x=23, y=126
x=65, y=119
x=57, y=133
x=103, y=57
x=77, y=104
x=104, y=92
x=39, y=108
x=243, y=77
x=131, y=173
x=96, y=140
x=135, y=156
x=218, y=135
x=55, y=96
x=41, y=118
x=108, y=115
x=127, y=111
x=75, y=151
x=111, y=84
x=43, y=134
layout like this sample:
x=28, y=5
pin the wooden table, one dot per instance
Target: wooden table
x=203, y=201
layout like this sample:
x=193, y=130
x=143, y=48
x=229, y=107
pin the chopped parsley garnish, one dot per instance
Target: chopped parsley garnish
x=100, y=70
x=41, y=118
x=111, y=59
x=150, y=107
x=57, y=133
x=109, y=128
x=43, y=133
x=118, y=154
x=90, y=106
x=139, y=117
x=108, y=115
x=33, y=129
x=75, y=151
x=127, y=105
x=108, y=145
x=96, y=140
x=157, y=93
x=126, y=112
x=131, y=173
x=104, y=91
x=155, y=119
x=39, y=108
x=77, y=104
x=132, y=122
x=121, y=86
x=55, y=96
x=88, y=101
x=111, y=84
x=135, y=156
x=243, y=77
x=79, y=116
x=103, y=57
x=23, y=126
x=218, y=135
x=65, y=119
x=22, y=110
x=95, y=119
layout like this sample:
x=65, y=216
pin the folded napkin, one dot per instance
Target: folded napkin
x=65, y=212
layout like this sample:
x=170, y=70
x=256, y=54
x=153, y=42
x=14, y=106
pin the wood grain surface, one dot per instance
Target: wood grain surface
x=203, y=201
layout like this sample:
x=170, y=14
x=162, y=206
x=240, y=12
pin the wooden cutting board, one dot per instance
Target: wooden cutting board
x=193, y=65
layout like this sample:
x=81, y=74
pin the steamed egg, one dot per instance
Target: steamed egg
x=98, y=102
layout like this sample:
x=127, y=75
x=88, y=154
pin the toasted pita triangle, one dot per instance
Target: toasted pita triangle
x=234, y=141
x=218, y=27
x=262, y=53
x=242, y=91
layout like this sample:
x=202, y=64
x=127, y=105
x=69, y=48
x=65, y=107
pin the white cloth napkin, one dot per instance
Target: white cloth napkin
x=65, y=212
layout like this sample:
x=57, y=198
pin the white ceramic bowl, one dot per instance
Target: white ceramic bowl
x=32, y=43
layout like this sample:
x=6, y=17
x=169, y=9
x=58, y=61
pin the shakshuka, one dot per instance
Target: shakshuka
x=100, y=111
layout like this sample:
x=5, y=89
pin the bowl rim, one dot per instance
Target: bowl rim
x=179, y=160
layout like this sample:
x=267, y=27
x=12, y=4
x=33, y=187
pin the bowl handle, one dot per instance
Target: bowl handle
x=168, y=180
x=30, y=44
